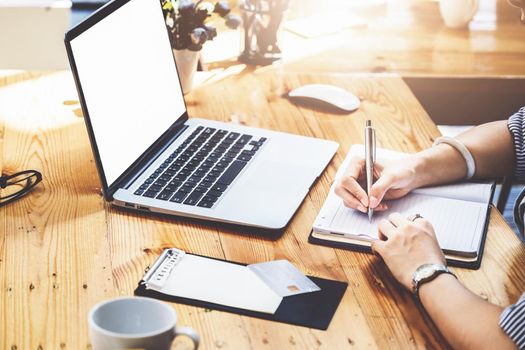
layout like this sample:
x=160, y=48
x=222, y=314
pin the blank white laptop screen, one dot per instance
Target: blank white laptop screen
x=130, y=83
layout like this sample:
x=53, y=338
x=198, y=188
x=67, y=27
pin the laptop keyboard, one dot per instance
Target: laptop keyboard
x=200, y=170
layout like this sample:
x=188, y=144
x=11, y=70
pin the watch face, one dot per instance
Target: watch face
x=425, y=271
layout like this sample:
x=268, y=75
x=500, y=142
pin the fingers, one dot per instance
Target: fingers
x=378, y=247
x=396, y=219
x=379, y=189
x=353, y=195
x=350, y=182
x=385, y=229
x=349, y=200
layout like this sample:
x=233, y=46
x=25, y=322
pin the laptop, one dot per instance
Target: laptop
x=152, y=157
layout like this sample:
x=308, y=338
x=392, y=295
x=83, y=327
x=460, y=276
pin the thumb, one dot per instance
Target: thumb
x=379, y=189
x=378, y=247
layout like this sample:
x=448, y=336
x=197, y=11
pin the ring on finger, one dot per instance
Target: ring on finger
x=414, y=217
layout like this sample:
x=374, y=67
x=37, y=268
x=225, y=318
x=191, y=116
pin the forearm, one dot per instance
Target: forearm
x=490, y=144
x=464, y=319
x=492, y=147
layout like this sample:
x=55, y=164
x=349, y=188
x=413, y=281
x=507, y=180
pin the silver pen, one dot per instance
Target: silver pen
x=370, y=155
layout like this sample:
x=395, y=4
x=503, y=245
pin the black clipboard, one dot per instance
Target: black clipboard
x=313, y=310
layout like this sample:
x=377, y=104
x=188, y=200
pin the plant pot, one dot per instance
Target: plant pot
x=186, y=66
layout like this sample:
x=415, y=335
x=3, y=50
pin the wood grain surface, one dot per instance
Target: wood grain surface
x=62, y=249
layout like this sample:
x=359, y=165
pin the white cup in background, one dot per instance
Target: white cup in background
x=458, y=13
x=135, y=323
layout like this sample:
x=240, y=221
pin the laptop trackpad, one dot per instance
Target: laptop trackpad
x=277, y=176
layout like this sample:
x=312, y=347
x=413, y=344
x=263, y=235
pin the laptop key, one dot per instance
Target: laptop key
x=233, y=135
x=219, y=188
x=155, y=188
x=204, y=204
x=180, y=177
x=231, y=173
x=213, y=193
x=150, y=194
x=215, y=173
x=200, y=189
x=206, y=184
x=178, y=197
x=244, y=158
x=195, y=178
x=210, y=199
x=189, y=185
x=244, y=139
x=139, y=192
x=175, y=183
x=248, y=153
x=193, y=198
x=170, y=188
x=210, y=178
x=164, y=195
x=184, y=189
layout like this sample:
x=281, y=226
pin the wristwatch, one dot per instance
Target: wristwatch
x=426, y=273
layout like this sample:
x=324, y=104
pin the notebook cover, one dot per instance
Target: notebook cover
x=313, y=310
x=473, y=265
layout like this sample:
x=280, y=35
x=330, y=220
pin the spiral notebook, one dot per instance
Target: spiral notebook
x=458, y=212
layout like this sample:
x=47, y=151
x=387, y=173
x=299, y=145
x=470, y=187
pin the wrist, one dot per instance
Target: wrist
x=431, y=290
x=426, y=273
x=420, y=166
x=439, y=164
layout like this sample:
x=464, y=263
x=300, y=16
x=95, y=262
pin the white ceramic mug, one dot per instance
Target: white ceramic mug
x=458, y=13
x=135, y=323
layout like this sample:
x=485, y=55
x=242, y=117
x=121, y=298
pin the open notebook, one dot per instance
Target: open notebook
x=458, y=212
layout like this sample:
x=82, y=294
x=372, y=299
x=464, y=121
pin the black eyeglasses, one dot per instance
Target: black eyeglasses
x=18, y=185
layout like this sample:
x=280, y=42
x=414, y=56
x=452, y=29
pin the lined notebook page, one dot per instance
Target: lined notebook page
x=458, y=224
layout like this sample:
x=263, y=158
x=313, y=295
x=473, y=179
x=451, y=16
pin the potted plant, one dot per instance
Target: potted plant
x=189, y=27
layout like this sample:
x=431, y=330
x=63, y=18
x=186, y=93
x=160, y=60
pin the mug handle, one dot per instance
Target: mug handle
x=474, y=9
x=190, y=333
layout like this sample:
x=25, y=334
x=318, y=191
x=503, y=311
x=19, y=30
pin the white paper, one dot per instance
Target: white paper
x=221, y=283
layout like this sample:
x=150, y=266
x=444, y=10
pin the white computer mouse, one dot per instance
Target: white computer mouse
x=333, y=95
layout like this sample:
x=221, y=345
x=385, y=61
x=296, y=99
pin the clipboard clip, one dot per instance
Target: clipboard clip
x=158, y=274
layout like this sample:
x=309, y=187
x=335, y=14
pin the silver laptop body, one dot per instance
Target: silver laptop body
x=152, y=157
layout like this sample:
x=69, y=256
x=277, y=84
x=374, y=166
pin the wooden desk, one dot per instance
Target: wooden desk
x=62, y=249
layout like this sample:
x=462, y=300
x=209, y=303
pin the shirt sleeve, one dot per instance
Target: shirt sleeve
x=512, y=322
x=516, y=125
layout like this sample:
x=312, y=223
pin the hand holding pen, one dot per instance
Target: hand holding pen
x=388, y=181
